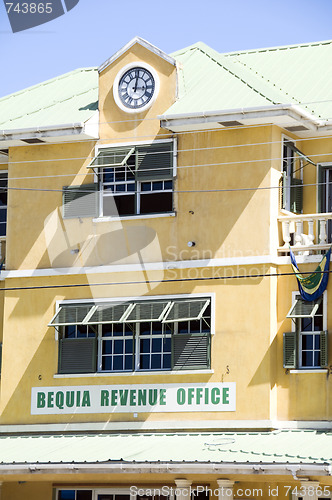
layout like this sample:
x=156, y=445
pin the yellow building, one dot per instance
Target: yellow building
x=154, y=341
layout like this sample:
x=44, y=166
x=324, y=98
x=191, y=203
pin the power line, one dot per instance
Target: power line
x=175, y=280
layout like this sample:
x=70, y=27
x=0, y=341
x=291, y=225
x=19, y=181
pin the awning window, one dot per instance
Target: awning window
x=115, y=157
x=185, y=310
x=303, y=309
x=293, y=148
x=71, y=315
x=108, y=313
x=147, y=311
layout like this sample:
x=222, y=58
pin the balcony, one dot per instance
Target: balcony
x=307, y=234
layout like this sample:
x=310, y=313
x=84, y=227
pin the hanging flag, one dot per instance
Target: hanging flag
x=312, y=286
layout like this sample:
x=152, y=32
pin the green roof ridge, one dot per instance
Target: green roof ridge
x=247, y=79
x=278, y=47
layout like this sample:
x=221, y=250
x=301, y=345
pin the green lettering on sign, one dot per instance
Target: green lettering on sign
x=225, y=395
x=40, y=400
x=181, y=396
x=86, y=399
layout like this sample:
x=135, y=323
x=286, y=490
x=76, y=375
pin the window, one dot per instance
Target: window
x=74, y=495
x=145, y=335
x=3, y=202
x=135, y=180
x=306, y=345
x=293, y=163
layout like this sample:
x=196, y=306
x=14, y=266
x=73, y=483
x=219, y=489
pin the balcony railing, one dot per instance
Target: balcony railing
x=306, y=233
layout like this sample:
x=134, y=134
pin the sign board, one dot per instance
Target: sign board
x=133, y=398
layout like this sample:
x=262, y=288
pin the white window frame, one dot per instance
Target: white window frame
x=295, y=296
x=99, y=148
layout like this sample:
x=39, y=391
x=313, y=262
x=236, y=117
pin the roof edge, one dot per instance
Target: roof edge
x=143, y=43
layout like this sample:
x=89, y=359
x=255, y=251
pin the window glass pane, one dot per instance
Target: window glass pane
x=307, y=358
x=146, y=186
x=84, y=495
x=118, y=346
x=119, y=205
x=317, y=358
x=66, y=495
x=3, y=192
x=157, y=328
x=167, y=362
x=82, y=331
x=107, y=347
x=120, y=174
x=307, y=342
x=108, y=175
x=156, y=361
x=70, y=331
x=317, y=341
x=145, y=328
x=183, y=327
x=157, y=186
x=128, y=346
x=145, y=345
x=120, y=187
x=118, y=363
x=144, y=361
x=306, y=324
x=195, y=326
x=168, y=184
x=156, y=203
x=156, y=345
x=107, y=363
x=128, y=362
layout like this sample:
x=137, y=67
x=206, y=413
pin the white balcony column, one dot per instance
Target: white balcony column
x=298, y=233
x=226, y=489
x=311, y=235
x=286, y=233
x=183, y=489
x=322, y=232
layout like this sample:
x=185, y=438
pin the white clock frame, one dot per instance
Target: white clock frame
x=135, y=64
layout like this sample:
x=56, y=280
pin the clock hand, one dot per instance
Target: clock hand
x=135, y=87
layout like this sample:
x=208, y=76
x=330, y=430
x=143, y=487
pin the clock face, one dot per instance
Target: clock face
x=136, y=88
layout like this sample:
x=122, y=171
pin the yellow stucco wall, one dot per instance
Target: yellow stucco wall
x=34, y=348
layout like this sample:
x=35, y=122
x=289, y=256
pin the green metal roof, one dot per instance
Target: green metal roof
x=296, y=74
x=69, y=98
x=276, y=447
x=208, y=81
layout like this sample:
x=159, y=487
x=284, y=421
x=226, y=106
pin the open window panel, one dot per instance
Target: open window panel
x=71, y=314
x=115, y=157
x=186, y=310
x=303, y=309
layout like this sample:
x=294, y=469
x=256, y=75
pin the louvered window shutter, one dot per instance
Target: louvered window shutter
x=296, y=195
x=283, y=190
x=77, y=355
x=190, y=351
x=80, y=201
x=323, y=349
x=290, y=349
x=154, y=162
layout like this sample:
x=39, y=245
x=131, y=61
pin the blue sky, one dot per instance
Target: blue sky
x=95, y=29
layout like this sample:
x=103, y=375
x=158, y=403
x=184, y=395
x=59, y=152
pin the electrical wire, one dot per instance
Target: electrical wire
x=175, y=280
